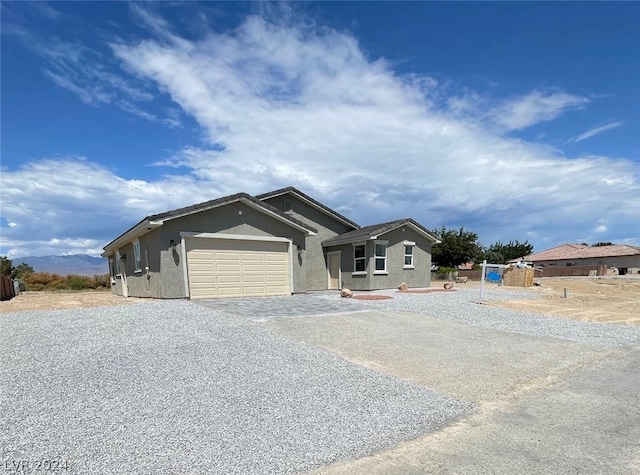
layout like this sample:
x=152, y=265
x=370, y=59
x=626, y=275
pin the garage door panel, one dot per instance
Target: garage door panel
x=227, y=268
x=205, y=292
x=275, y=289
x=202, y=268
x=275, y=267
x=202, y=280
x=233, y=291
x=275, y=258
x=229, y=279
x=253, y=267
x=249, y=256
x=254, y=278
x=254, y=290
x=230, y=268
x=227, y=256
x=202, y=254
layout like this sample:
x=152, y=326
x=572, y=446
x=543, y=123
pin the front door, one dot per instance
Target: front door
x=333, y=263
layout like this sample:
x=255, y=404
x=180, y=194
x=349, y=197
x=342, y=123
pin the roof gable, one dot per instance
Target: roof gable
x=375, y=230
x=156, y=220
x=290, y=190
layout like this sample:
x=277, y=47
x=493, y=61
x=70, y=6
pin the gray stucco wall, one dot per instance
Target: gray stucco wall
x=316, y=263
x=359, y=282
x=420, y=276
x=235, y=218
x=141, y=283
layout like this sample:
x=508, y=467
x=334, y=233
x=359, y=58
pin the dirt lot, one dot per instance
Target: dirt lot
x=610, y=300
x=60, y=300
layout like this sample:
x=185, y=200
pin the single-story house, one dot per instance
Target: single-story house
x=623, y=257
x=276, y=243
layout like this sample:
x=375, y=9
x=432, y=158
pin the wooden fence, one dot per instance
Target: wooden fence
x=7, y=291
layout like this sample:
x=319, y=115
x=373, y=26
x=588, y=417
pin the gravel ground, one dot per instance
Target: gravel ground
x=173, y=387
x=463, y=306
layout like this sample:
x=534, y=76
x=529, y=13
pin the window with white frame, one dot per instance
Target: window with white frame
x=359, y=258
x=112, y=268
x=408, y=254
x=136, y=256
x=117, y=262
x=380, y=255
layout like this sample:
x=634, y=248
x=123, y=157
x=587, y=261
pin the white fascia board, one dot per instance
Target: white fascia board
x=130, y=236
x=236, y=237
x=354, y=241
x=257, y=207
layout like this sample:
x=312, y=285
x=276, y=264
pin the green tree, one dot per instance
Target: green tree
x=599, y=244
x=499, y=253
x=6, y=266
x=491, y=256
x=455, y=248
x=22, y=270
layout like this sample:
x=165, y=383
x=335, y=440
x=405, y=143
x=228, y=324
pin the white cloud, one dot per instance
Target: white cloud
x=80, y=70
x=70, y=203
x=295, y=104
x=601, y=229
x=596, y=131
x=533, y=108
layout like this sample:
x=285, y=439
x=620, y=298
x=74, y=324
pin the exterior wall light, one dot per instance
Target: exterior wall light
x=173, y=245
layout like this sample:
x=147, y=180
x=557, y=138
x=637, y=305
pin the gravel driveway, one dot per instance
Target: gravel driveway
x=463, y=306
x=174, y=387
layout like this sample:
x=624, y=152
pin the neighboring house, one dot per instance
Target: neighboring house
x=277, y=243
x=625, y=258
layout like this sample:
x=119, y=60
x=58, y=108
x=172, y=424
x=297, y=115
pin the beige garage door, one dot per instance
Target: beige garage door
x=236, y=268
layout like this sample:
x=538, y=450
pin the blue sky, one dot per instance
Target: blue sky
x=515, y=120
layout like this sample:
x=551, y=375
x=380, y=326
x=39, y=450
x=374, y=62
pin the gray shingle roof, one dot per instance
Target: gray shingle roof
x=368, y=232
x=223, y=201
x=291, y=189
x=214, y=204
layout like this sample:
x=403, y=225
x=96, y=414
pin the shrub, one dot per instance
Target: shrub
x=77, y=282
x=101, y=281
x=46, y=281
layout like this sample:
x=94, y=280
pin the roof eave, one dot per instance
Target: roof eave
x=345, y=241
x=418, y=229
x=138, y=230
x=340, y=242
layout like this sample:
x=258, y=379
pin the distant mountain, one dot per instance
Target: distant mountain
x=79, y=264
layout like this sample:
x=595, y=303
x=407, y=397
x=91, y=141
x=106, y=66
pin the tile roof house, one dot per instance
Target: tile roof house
x=276, y=243
x=624, y=257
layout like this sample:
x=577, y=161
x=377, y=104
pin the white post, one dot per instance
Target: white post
x=484, y=270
